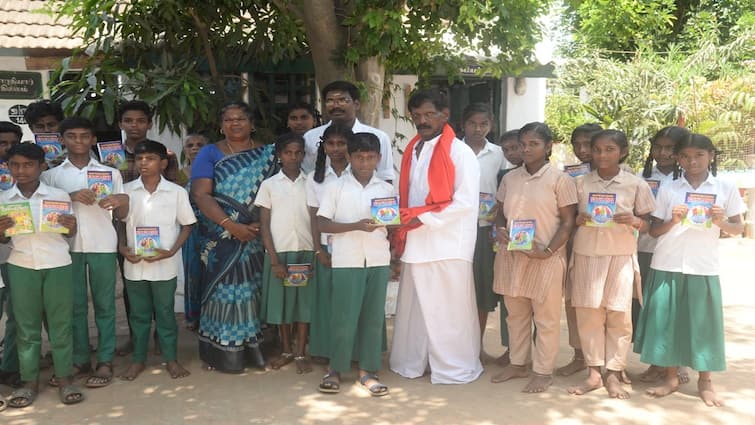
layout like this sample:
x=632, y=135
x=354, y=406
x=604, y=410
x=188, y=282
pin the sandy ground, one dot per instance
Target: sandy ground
x=283, y=397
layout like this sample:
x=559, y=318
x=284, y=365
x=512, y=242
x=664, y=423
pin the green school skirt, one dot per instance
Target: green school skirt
x=482, y=267
x=319, y=328
x=286, y=304
x=681, y=322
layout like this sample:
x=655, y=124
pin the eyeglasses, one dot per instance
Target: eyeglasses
x=340, y=101
x=427, y=116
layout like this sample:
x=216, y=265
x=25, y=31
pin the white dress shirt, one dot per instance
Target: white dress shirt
x=289, y=216
x=316, y=190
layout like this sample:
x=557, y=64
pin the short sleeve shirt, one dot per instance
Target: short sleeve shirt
x=491, y=162
x=289, y=216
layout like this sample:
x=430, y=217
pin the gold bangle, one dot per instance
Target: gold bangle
x=223, y=221
x=548, y=250
x=318, y=252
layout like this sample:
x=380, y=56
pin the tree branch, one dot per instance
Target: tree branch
x=205, y=38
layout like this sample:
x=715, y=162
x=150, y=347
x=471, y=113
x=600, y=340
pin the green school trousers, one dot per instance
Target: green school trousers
x=145, y=299
x=99, y=269
x=36, y=294
x=9, y=362
x=357, y=311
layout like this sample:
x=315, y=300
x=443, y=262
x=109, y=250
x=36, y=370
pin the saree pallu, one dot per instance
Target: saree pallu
x=193, y=271
x=229, y=326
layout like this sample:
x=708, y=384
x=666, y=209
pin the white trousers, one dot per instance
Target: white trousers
x=436, y=322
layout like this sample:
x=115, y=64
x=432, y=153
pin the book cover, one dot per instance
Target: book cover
x=100, y=182
x=6, y=180
x=698, y=212
x=20, y=212
x=297, y=274
x=487, y=207
x=50, y=212
x=577, y=170
x=521, y=235
x=50, y=143
x=494, y=235
x=601, y=207
x=112, y=154
x=654, y=185
x=146, y=240
x=385, y=211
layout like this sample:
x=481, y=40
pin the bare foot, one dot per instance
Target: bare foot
x=538, y=384
x=125, y=349
x=133, y=371
x=284, y=359
x=303, y=365
x=652, y=374
x=669, y=386
x=592, y=383
x=708, y=394
x=176, y=370
x=613, y=385
x=504, y=360
x=625, y=378
x=683, y=375
x=510, y=372
x=577, y=364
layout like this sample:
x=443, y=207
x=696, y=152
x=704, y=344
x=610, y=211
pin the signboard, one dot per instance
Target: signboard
x=20, y=85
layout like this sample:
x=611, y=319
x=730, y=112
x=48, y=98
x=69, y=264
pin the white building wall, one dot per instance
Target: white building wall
x=526, y=107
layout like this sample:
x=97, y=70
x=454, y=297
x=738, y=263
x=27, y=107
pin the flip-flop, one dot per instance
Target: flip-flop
x=79, y=371
x=28, y=396
x=104, y=379
x=68, y=390
x=329, y=386
x=375, y=390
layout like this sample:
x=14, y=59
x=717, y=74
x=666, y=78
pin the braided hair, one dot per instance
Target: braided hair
x=673, y=133
x=334, y=129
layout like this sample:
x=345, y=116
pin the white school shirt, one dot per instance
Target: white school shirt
x=686, y=249
x=168, y=208
x=96, y=232
x=646, y=243
x=39, y=250
x=449, y=234
x=316, y=190
x=313, y=137
x=346, y=201
x=289, y=216
x=491, y=161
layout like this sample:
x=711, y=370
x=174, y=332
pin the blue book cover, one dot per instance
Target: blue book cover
x=297, y=275
x=146, y=240
x=100, y=182
x=487, y=207
x=112, y=154
x=521, y=235
x=654, y=185
x=698, y=209
x=50, y=143
x=6, y=180
x=385, y=211
x=601, y=207
x=577, y=169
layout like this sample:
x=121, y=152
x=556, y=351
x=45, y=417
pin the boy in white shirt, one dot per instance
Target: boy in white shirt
x=360, y=261
x=93, y=248
x=40, y=265
x=151, y=280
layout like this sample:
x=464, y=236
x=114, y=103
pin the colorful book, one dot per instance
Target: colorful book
x=49, y=216
x=494, y=235
x=112, y=154
x=487, y=207
x=20, y=212
x=577, y=170
x=297, y=274
x=50, y=143
x=601, y=207
x=521, y=235
x=699, y=209
x=146, y=240
x=654, y=185
x=385, y=211
x=6, y=180
x=100, y=182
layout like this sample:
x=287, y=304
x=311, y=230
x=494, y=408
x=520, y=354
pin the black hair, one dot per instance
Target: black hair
x=588, y=129
x=76, y=122
x=301, y=105
x=673, y=133
x=9, y=127
x=38, y=110
x=339, y=85
x=334, y=129
x=699, y=141
x=135, y=105
x=615, y=136
x=541, y=131
x=27, y=150
x=434, y=96
x=237, y=104
x=364, y=142
x=286, y=139
x=150, y=146
x=509, y=135
x=476, y=108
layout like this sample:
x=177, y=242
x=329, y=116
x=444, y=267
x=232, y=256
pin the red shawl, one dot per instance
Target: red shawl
x=440, y=175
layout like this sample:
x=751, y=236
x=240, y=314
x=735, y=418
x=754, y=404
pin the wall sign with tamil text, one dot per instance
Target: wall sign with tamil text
x=20, y=85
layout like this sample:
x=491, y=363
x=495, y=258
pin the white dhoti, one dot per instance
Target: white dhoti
x=436, y=321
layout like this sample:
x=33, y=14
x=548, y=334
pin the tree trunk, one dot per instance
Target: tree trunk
x=322, y=26
x=371, y=71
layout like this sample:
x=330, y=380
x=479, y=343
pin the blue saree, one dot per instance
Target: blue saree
x=229, y=326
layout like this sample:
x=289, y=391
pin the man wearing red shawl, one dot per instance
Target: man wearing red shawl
x=436, y=320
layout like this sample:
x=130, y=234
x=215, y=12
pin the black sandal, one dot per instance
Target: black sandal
x=99, y=380
x=79, y=370
x=22, y=397
x=375, y=390
x=328, y=385
x=66, y=391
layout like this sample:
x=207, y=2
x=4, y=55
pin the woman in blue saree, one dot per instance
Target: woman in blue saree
x=225, y=180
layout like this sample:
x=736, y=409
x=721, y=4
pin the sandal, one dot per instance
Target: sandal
x=22, y=397
x=79, y=370
x=3, y=404
x=68, y=394
x=375, y=390
x=284, y=359
x=302, y=365
x=328, y=385
x=99, y=380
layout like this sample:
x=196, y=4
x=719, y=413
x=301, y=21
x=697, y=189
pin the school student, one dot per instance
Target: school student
x=531, y=280
x=334, y=148
x=603, y=261
x=361, y=267
x=681, y=323
x=151, y=279
x=287, y=237
x=40, y=261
